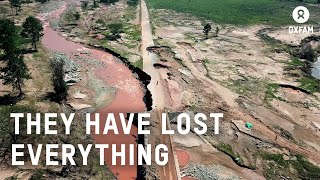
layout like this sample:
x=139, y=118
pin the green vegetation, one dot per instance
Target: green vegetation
x=8, y=38
x=115, y=29
x=296, y=62
x=138, y=64
x=227, y=149
x=303, y=51
x=70, y=15
x=132, y=2
x=15, y=71
x=271, y=89
x=278, y=158
x=310, y=84
x=298, y=166
x=240, y=12
x=38, y=174
x=60, y=86
x=32, y=29
x=77, y=15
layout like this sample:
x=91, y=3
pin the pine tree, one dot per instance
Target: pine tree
x=8, y=38
x=16, y=72
x=32, y=28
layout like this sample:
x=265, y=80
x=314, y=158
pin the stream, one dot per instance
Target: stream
x=129, y=97
x=316, y=69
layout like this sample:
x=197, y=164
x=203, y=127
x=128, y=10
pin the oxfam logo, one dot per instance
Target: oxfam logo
x=301, y=14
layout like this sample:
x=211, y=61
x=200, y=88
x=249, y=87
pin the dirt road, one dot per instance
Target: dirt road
x=149, y=59
x=169, y=171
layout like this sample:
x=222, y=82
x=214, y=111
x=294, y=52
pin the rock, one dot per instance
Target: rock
x=77, y=106
x=79, y=95
x=72, y=35
x=185, y=72
x=100, y=36
x=55, y=169
x=71, y=78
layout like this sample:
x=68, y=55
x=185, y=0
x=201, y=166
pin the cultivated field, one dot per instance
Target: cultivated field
x=239, y=12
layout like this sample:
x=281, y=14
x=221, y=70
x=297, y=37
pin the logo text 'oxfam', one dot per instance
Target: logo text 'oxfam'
x=300, y=15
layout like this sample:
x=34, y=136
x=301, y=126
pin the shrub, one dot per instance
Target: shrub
x=60, y=86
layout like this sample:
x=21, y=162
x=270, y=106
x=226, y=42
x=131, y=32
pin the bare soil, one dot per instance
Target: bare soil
x=232, y=73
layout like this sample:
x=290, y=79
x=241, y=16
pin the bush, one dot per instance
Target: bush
x=308, y=53
x=77, y=15
x=115, y=29
x=109, y=1
x=60, y=86
x=132, y=2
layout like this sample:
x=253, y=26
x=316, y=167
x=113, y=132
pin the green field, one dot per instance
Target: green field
x=240, y=12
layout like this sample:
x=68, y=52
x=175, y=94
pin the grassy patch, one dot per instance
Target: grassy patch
x=277, y=158
x=240, y=12
x=138, y=64
x=271, y=89
x=310, y=84
x=295, y=167
x=248, y=86
x=305, y=169
x=296, y=62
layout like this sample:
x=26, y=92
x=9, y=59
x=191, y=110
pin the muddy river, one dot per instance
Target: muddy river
x=129, y=96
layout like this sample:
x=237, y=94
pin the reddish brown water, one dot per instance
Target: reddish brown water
x=129, y=96
x=183, y=158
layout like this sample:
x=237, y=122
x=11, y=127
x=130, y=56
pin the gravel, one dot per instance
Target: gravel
x=72, y=74
x=211, y=172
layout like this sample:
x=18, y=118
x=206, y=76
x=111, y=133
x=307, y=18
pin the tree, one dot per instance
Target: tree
x=115, y=29
x=60, y=86
x=16, y=72
x=8, y=38
x=32, y=28
x=206, y=29
x=15, y=4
